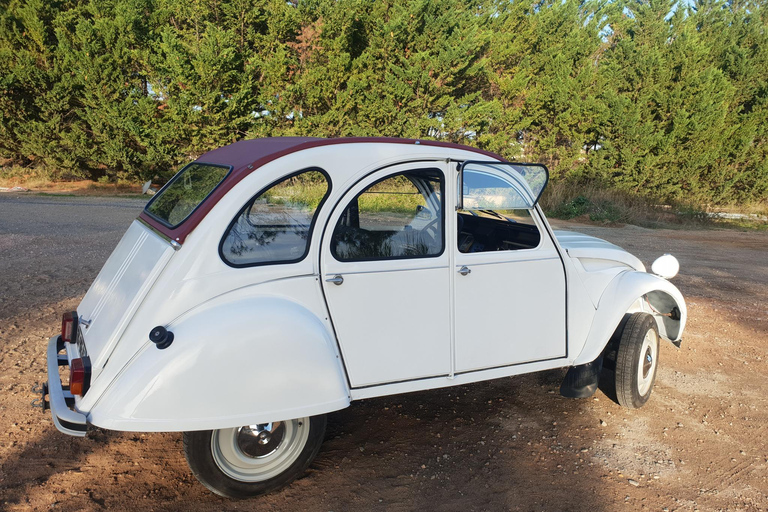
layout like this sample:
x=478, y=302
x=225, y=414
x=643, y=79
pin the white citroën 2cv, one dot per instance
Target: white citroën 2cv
x=273, y=281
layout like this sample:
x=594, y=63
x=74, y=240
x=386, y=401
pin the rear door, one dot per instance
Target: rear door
x=386, y=275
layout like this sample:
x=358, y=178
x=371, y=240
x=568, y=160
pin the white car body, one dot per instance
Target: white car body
x=265, y=343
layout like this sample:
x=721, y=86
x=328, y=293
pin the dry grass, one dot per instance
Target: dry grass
x=566, y=200
x=41, y=181
x=755, y=209
x=80, y=188
x=609, y=206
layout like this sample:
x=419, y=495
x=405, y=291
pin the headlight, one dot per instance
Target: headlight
x=666, y=266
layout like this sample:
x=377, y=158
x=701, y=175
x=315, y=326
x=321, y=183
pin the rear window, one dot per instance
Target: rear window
x=185, y=192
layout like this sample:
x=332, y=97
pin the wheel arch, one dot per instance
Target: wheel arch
x=232, y=362
x=632, y=292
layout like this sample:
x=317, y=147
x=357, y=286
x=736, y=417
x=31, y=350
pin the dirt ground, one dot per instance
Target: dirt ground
x=510, y=444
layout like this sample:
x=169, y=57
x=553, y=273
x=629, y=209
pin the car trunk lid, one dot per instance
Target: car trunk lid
x=119, y=289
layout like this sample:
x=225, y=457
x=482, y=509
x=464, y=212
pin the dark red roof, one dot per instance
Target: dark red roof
x=246, y=156
x=240, y=154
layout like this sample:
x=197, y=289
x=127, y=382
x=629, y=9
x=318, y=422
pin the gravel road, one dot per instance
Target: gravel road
x=52, y=247
x=510, y=444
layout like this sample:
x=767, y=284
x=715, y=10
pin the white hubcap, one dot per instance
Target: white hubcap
x=254, y=453
x=646, y=368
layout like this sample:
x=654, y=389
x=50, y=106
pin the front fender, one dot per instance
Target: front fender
x=627, y=293
x=233, y=363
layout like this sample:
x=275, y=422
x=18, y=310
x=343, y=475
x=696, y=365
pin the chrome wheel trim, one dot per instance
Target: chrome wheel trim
x=259, y=441
x=646, y=367
x=281, y=444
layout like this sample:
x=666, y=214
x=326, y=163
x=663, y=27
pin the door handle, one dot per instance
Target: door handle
x=337, y=280
x=464, y=270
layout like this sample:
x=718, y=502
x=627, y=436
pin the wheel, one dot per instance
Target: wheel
x=637, y=359
x=246, y=461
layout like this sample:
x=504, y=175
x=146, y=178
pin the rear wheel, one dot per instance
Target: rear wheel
x=246, y=461
x=637, y=360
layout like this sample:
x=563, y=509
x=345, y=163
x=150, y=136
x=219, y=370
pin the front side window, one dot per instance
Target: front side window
x=400, y=216
x=496, y=215
x=276, y=225
x=504, y=185
x=185, y=192
x=485, y=191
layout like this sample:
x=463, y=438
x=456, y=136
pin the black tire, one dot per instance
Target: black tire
x=637, y=361
x=219, y=461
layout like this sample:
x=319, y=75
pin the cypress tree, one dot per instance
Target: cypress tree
x=650, y=96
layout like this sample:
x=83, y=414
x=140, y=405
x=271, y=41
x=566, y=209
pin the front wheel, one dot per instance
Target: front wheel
x=246, y=461
x=637, y=359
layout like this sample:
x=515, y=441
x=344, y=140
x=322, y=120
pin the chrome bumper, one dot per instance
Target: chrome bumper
x=67, y=420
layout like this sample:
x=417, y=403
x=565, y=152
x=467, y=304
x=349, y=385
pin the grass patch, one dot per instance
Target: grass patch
x=39, y=183
x=16, y=176
x=606, y=206
x=586, y=202
x=43, y=180
x=597, y=211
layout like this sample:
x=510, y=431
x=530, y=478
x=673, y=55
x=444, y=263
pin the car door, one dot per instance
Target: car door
x=509, y=283
x=386, y=274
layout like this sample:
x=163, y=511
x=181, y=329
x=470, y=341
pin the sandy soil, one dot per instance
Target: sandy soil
x=510, y=444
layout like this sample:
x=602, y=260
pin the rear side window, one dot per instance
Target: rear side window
x=185, y=192
x=276, y=225
x=400, y=216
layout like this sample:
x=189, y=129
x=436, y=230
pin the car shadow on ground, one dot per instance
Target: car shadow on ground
x=509, y=444
x=486, y=446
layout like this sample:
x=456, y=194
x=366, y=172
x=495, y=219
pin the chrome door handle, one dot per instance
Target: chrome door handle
x=337, y=280
x=464, y=270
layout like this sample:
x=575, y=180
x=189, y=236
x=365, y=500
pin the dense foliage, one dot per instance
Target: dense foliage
x=665, y=99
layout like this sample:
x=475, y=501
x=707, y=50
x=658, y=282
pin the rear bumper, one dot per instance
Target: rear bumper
x=65, y=417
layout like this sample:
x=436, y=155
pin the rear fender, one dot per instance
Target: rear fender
x=231, y=363
x=631, y=292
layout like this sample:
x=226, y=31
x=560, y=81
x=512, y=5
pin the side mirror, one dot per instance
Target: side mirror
x=666, y=266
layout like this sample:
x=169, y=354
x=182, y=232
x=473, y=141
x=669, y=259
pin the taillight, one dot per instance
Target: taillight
x=79, y=375
x=69, y=327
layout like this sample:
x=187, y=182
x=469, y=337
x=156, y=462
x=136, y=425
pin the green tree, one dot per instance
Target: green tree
x=653, y=97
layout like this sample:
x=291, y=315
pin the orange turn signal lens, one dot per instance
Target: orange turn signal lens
x=79, y=375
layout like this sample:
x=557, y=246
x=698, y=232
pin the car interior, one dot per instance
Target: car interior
x=487, y=230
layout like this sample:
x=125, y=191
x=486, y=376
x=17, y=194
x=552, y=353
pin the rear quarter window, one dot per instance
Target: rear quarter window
x=185, y=192
x=276, y=225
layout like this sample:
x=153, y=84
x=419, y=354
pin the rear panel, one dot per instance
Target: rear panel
x=119, y=289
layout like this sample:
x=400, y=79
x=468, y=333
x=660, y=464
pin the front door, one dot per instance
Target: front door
x=386, y=274
x=509, y=286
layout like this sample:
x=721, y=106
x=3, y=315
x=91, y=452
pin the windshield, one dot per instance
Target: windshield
x=185, y=192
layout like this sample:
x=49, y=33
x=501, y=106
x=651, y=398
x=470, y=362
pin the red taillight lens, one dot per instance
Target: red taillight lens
x=69, y=326
x=79, y=375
